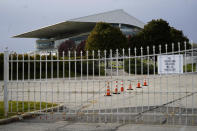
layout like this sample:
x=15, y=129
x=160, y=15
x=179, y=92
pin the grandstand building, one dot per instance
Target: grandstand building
x=50, y=37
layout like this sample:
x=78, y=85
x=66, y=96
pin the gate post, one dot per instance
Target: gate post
x=6, y=79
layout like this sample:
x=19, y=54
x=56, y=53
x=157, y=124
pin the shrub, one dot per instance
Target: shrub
x=49, y=66
x=81, y=47
x=66, y=46
x=138, y=67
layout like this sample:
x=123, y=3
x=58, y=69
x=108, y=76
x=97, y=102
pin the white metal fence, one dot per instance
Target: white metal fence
x=101, y=87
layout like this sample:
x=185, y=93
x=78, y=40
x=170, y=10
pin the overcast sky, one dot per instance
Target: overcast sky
x=19, y=16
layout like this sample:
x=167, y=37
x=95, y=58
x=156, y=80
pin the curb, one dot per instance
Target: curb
x=26, y=115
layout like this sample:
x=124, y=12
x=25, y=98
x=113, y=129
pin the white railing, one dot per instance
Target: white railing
x=82, y=87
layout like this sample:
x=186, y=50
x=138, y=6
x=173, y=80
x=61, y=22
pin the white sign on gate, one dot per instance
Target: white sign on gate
x=170, y=64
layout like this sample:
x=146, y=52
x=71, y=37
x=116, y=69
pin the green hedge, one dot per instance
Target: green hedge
x=49, y=66
x=138, y=62
x=1, y=66
x=189, y=67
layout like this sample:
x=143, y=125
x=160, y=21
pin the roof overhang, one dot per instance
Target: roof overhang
x=60, y=30
x=82, y=25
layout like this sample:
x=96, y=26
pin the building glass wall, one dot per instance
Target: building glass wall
x=50, y=44
x=44, y=44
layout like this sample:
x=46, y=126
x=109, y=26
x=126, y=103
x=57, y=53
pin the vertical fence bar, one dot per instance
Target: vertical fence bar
x=185, y=61
x=40, y=80
x=123, y=57
x=185, y=57
x=28, y=67
x=135, y=51
x=87, y=71
x=173, y=88
x=136, y=102
x=129, y=50
x=192, y=44
x=166, y=46
x=11, y=79
x=75, y=55
x=179, y=92
x=123, y=81
x=111, y=62
x=142, y=80
x=154, y=80
x=141, y=49
x=105, y=55
x=111, y=82
x=52, y=65
x=34, y=60
x=17, y=83
x=99, y=55
x=93, y=84
x=64, y=91
x=23, y=80
x=46, y=77
x=6, y=80
x=148, y=64
x=117, y=62
x=63, y=66
x=106, y=82
x=29, y=82
x=52, y=80
x=160, y=86
x=130, y=116
x=117, y=80
x=58, y=88
x=58, y=60
x=87, y=67
x=81, y=76
x=69, y=75
x=34, y=66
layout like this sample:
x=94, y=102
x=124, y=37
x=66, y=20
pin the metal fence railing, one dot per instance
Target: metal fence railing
x=104, y=86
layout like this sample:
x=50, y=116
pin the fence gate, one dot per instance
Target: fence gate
x=156, y=85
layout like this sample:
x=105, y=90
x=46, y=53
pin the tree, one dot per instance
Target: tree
x=158, y=32
x=105, y=37
x=81, y=47
x=66, y=46
x=178, y=36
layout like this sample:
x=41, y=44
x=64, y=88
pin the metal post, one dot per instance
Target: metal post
x=135, y=51
x=148, y=73
x=117, y=80
x=129, y=50
x=154, y=78
x=6, y=79
x=173, y=106
x=160, y=85
x=179, y=49
x=142, y=72
x=167, y=80
x=185, y=57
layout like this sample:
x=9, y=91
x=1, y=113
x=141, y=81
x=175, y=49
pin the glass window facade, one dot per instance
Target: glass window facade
x=50, y=44
x=44, y=44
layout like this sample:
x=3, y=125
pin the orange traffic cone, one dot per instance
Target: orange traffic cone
x=145, y=83
x=138, y=85
x=108, y=93
x=116, y=88
x=122, y=88
x=130, y=87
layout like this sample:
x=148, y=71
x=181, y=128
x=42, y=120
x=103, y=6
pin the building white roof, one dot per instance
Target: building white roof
x=115, y=16
x=81, y=25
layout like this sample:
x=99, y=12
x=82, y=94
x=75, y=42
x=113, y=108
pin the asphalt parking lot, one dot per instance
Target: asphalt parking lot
x=67, y=126
x=176, y=94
